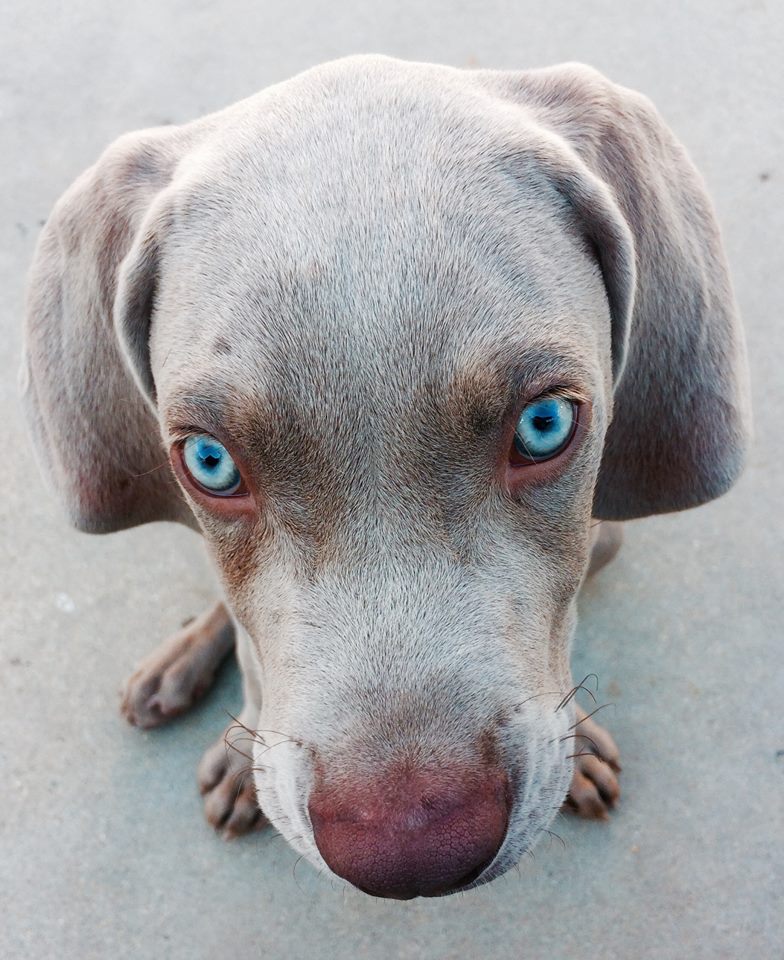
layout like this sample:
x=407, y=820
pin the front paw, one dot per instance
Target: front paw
x=225, y=779
x=594, y=790
x=179, y=672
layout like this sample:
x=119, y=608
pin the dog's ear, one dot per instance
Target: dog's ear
x=84, y=381
x=681, y=411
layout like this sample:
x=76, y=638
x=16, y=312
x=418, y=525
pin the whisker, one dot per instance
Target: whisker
x=534, y=696
x=589, y=715
x=565, y=698
x=573, y=736
x=580, y=686
x=146, y=473
x=251, y=739
x=256, y=734
x=238, y=778
x=557, y=836
x=294, y=871
x=230, y=746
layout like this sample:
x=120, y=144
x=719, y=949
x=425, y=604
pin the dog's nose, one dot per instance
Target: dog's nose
x=411, y=832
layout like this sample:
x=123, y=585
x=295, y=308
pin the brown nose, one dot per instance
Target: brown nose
x=412, y=832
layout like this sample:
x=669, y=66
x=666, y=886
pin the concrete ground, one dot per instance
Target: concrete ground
x=104, y=853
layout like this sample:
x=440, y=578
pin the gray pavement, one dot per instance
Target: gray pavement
x=103, y=850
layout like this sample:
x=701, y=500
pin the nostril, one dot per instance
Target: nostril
x=415, y=833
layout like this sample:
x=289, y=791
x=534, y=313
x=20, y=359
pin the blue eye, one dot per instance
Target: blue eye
x=545, y=427
x=210, y=465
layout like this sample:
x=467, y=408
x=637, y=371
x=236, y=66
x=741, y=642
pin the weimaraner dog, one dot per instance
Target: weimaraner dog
x=394, y=337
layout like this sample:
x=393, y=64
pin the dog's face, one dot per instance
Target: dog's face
x=400, y=330
x=406, y=576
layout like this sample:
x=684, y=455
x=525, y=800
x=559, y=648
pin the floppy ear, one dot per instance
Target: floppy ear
x=681, y=411
x=96, y=434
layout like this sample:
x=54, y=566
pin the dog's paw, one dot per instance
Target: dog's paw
x=226, y=781
x=595, y=789
x=175, y=675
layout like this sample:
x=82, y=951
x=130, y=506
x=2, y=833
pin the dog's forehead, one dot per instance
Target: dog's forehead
x=365, y=242
x=410, y=311
x=333, y=372
x=346, y=179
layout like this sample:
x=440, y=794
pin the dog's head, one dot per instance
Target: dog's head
x=401, y=331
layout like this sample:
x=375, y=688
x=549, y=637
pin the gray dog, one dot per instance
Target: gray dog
x=394, y=337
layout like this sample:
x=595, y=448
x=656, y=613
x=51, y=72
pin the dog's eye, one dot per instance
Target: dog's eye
x=543, y=430
x=210, y=465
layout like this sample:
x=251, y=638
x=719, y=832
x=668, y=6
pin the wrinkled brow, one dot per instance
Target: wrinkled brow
x=195, y=409
x=480, y=391
x=487, y=388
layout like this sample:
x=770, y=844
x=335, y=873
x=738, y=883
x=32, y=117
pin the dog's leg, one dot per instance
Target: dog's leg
x=606, y=540
x=594, y=790
x=224, y=775
x=173, y=677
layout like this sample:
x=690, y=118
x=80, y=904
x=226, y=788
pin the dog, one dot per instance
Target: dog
x=406, y=343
